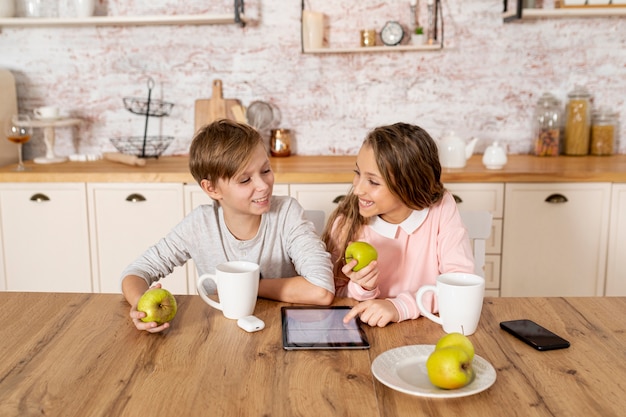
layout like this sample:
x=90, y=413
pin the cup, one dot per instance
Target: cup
x=312, y=29
x=460, y=299
x=46, y=112
x=237, y=288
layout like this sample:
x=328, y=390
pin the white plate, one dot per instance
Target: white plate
x=404, y=369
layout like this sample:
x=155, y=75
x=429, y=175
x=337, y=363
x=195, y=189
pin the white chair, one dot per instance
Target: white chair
x=318, y=218
x=478, y=225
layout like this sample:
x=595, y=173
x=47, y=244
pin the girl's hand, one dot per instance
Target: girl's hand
x=374, y=312
x=366, y=277
x=151, y=327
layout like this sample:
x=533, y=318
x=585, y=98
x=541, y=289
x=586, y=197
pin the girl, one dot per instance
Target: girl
x=399, y=205
x=246, y=222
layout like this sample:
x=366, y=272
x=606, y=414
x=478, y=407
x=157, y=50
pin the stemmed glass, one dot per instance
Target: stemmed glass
x=18, y=130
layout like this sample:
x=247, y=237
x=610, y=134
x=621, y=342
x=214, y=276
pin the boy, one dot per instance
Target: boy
x=229, y=161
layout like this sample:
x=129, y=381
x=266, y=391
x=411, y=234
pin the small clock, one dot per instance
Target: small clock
x=392, y=33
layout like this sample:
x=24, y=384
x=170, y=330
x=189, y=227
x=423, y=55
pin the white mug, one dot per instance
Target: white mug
x=312, y=29
x=460, y=299
x=237, y=288
x=46, y=112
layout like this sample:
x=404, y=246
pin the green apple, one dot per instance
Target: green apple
x=363, y=252
x=159, y=305
x=449, y=368
x=456, y=339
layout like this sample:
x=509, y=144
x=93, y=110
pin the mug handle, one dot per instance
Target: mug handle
x=420, y=304
x=203, y=294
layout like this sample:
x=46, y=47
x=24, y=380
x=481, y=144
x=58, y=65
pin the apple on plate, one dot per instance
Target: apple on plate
x=159, y=305
x=456, y=339
x=450, y=368
x=363, y=252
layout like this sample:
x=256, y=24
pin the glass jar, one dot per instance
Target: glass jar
x=604, y=128
x=577, y=122
x=547, y=126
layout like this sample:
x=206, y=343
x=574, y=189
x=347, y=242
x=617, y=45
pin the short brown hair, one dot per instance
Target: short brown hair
x=221, y=149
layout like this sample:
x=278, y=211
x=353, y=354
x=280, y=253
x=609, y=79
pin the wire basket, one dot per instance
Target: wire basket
x=143, y=147
x=143, y=107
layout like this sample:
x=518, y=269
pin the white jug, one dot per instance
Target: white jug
x=494, y=156
x=454, y=151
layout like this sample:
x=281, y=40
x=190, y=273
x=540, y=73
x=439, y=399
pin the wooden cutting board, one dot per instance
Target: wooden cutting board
x=216, y=107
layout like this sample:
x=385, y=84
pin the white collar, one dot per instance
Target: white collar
x=409, y=225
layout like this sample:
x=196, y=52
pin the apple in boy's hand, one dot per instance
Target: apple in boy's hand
x=158, y=304
x=450, y=368
x=456, y=339
x=363, y=252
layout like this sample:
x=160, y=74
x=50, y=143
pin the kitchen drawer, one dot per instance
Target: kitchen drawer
x=45, y=236
x=127, y=218
x=555, y=239
x=475, y=196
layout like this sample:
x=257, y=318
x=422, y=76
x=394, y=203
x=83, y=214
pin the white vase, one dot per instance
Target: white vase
x=84, y=8
x=7, y=8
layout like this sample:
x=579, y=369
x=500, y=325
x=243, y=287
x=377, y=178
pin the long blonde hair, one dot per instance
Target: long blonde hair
x=408, y=160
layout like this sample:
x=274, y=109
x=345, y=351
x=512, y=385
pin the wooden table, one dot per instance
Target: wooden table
x=79, y=355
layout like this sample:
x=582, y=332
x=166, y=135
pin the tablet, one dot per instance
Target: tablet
x=313, y=327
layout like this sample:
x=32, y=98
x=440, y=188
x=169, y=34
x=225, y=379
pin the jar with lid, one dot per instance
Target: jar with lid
x=578, y=122
x=604, y=128
x=547, y=126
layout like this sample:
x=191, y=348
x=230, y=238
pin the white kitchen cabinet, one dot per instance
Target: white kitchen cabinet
x=45, y=237
x=124, y=220
x=319, y=196
x=616, y=262
x=555, y=239
x=195, y=196
x=490, y=197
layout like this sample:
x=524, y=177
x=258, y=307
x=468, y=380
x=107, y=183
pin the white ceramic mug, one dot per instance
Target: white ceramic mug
x=312, y=29
x=460, y=299
x=237, y=288
x=46, y=112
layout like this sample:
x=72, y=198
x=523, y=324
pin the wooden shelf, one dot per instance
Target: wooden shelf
x=366, y=49
x=200, y=19
x=583, y=11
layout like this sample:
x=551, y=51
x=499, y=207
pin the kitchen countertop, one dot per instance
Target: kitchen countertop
x=330, y=169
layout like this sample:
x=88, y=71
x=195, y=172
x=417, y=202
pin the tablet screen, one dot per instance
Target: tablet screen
x=321, y=328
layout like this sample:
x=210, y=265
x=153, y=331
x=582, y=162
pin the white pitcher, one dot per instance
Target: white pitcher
x=454, y=151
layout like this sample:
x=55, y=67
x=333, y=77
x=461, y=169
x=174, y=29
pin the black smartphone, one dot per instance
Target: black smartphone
x=535, y=335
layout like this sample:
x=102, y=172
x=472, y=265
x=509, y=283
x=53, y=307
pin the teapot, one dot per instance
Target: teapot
x=494, y=156
x=454, y=151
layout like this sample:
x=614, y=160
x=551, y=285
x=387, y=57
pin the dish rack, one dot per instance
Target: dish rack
x=145, y=146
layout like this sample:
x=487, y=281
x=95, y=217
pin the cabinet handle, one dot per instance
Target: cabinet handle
x=39, y=198
x=338, y=199
x=556, y=199
x=135, y=198
x=457, y=199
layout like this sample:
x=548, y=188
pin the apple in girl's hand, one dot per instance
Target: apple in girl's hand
x=456, y=339
x=450, y=368
x=158, y=304
x=363, y=252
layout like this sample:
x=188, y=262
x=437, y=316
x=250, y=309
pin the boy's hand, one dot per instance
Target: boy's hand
x=136, y=317
x=374, y=312
x=366, y=277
